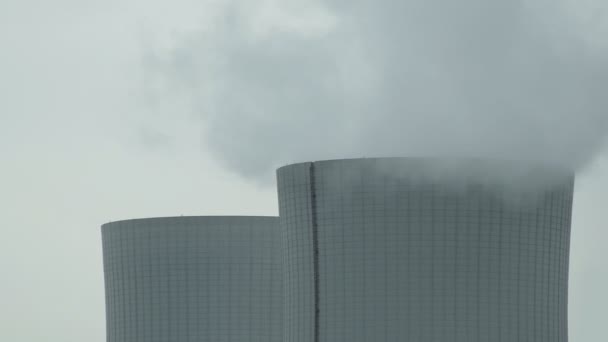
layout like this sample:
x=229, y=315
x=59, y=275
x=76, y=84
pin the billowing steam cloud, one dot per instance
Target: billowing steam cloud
x=352, y=78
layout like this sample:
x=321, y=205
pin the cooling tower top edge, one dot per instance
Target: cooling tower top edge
x=212, y=219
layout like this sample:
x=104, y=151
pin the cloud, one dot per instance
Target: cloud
x=275, y=84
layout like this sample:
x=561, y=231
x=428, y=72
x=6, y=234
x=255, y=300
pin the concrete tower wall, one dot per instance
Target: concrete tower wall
x=420, y=250
x=186, y=279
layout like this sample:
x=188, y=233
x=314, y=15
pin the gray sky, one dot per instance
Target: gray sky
x=110, y=110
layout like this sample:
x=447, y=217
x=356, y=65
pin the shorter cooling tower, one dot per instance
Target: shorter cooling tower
x=183, y=279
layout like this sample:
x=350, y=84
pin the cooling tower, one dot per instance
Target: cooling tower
x=184, y=279
x=425, y=250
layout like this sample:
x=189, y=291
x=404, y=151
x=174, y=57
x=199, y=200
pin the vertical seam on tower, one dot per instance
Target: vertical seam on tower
x=568, y=241
x=315, y=247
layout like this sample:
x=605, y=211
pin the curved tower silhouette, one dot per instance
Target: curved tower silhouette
x=425, y=250
x=183, y=279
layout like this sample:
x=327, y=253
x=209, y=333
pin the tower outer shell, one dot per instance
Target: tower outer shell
x=405, y=249
x=183, y=279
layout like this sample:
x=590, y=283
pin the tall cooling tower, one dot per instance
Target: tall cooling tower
x=425, y=250
x=185, y=279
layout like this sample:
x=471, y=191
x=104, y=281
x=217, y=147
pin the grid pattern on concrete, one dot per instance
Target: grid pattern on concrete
x=404, y=256
x=298, y=254
x=193, y=279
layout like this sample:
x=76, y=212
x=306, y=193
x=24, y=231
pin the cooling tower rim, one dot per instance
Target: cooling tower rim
x=449, y=161
x=209, y=219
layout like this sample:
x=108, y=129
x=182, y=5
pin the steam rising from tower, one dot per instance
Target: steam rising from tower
x=302, y=80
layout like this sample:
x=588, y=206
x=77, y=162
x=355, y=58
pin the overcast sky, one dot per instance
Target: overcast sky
x=123, y=109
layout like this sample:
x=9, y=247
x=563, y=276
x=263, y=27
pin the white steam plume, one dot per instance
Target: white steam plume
x=301, y=81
